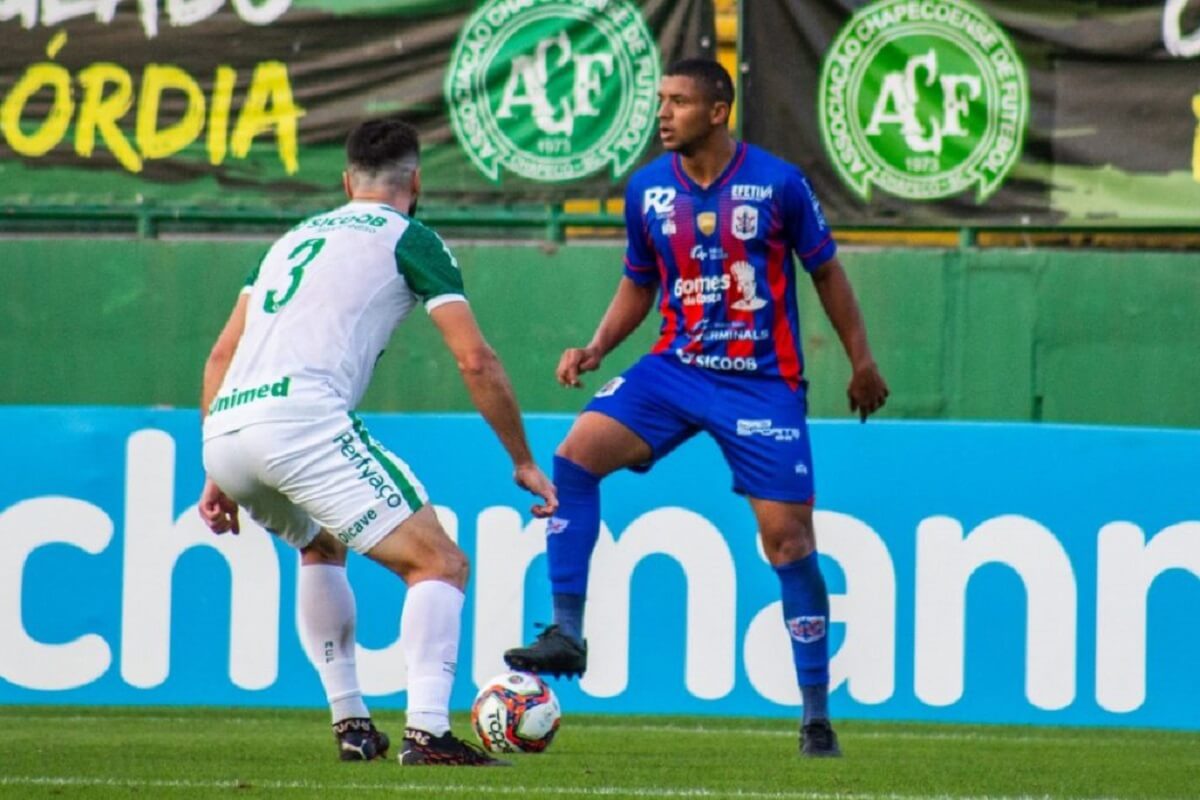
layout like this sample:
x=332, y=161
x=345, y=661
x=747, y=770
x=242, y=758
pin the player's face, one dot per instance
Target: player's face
x=686, y=116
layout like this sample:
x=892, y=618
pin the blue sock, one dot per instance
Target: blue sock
x=568, y=614
x=806, y=613
x=570, y=538
x=816, y=702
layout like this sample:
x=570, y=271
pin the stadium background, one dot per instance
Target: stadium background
x=1034, y=316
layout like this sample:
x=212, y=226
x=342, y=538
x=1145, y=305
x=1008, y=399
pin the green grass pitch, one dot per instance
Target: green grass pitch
x=71, y=751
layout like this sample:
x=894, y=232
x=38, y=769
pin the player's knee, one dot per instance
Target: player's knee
x=789, y=544
x=570, y=475
x=570, y=450
x=324, y=549
x=453, y=566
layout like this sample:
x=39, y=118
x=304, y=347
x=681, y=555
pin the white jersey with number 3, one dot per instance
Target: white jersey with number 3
x=323, y=304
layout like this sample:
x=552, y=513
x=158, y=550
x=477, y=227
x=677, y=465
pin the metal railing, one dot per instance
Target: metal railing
x=553, y=224
x=148, y=221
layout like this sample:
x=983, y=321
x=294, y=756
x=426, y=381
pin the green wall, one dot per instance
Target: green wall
x=1078, y=336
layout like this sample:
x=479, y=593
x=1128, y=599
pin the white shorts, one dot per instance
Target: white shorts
x=295, y=478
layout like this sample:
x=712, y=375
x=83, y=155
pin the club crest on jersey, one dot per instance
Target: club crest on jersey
x=707, y=222
x=745, y=222
x=806, y=629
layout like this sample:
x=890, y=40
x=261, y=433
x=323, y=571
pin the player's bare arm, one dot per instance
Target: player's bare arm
x=867, y=391
x=220, y=513
x=492, y=394
x=628, y=308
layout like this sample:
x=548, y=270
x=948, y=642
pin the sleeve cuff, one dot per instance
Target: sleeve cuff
x=819, y=254
x=443, y=299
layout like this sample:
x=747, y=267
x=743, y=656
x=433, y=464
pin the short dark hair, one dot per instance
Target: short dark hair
x=380, y=143
x=712, y=77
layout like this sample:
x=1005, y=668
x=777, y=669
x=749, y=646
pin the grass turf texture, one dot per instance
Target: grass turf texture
x=66, y=751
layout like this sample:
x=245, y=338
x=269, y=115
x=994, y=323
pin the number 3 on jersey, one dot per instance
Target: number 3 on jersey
x=313, y=247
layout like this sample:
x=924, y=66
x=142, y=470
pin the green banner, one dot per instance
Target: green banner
x=977, y=112
x=247, y=102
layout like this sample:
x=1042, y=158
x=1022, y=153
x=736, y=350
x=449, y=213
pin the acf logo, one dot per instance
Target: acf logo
x=554, y=90
x=923, y=98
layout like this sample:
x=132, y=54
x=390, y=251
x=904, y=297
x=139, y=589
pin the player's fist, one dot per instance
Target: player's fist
x=574, y=362
x=867, y=391
x=219, y=513
x=531, y=478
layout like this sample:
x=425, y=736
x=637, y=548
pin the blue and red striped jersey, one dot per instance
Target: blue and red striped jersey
x=722, y=257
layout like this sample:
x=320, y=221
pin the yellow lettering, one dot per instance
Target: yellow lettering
x=1196, y=141
x=218, y=119
x=156, y=142
x=98, y=112
x=269, y=104
x=54, y=126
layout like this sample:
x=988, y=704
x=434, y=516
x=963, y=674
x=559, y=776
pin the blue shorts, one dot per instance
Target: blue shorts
x=758, y=422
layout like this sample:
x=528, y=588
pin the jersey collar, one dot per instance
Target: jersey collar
x=689, y=185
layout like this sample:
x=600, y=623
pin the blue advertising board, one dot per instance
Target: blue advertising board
x=978, y=572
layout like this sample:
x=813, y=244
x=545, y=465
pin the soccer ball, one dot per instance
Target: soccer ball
x=515, y=712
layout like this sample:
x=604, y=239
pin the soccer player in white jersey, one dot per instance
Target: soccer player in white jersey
x=281, y=439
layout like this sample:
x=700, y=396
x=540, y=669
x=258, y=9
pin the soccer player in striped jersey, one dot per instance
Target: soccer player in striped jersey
x=282, y=441
x=712, y=228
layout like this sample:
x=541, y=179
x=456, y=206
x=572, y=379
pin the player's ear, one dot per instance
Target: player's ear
x=346, y=184
x=416, y=182
x=720, y=113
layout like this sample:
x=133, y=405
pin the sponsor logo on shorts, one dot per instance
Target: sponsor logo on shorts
x=368, y=471
x=240, y=397
x=764, y=427
x=556, y=525
x=807, y=629
x=610, y=388
x=359, y=525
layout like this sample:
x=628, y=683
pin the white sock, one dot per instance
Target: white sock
x=429, y=631
x=327, y=616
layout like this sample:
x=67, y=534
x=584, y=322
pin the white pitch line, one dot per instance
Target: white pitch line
x=701, y=730
x=478, y=790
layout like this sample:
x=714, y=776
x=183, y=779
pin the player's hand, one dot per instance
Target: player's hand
x=531, y=478
x=574, y=362
x=867, y=391
x=219, y=513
